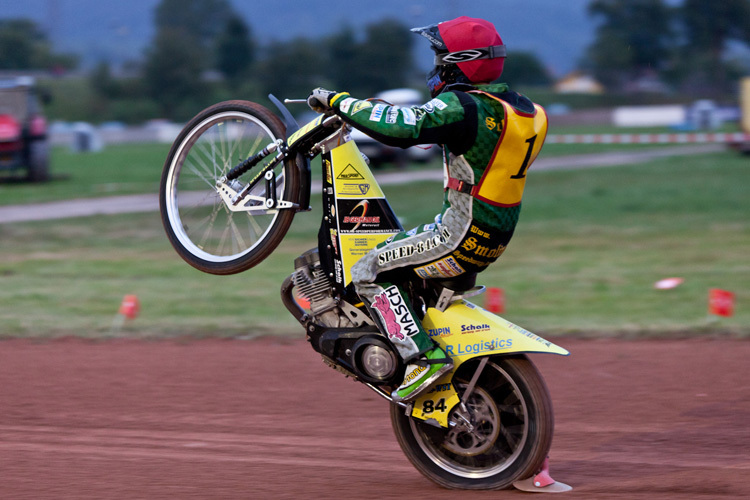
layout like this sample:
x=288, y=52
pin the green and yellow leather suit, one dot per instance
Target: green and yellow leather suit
x=490, y=136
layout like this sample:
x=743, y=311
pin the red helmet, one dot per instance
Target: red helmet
x=469, y=43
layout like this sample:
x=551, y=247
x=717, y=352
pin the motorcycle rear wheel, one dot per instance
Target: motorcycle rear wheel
x=513, y=422
x=203, y=231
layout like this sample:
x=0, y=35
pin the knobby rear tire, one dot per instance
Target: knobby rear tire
x=517, y=425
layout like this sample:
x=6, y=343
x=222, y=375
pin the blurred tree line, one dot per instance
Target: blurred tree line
x=203, y=52
x=685, y=46
x=24, y=46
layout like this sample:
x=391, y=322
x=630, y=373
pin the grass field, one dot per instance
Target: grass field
x=588, y=249
x=121, y=169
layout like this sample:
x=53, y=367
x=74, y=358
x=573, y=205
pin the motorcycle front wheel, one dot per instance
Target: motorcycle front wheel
x=202, y=229
x=509, y=436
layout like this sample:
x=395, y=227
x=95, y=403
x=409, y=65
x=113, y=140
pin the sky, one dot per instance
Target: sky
x=558, y=31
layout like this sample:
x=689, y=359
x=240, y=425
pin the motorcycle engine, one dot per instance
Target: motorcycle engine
x=368, y=355
x=313, y=285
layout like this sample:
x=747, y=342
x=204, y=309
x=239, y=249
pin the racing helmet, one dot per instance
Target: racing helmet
x=467, y=50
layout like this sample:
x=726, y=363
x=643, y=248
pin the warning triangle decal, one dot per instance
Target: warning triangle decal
x=350, y=173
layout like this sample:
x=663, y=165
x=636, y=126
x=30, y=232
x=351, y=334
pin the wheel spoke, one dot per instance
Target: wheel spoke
x=239, y=242
x=209, y=222
x=203, y=176
x=510, y=438
x=253, y=226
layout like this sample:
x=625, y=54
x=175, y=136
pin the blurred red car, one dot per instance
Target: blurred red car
x=23, y=130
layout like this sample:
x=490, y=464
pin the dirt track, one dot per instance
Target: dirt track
x=162, y=419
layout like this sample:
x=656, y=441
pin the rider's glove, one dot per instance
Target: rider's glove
x=320, y=99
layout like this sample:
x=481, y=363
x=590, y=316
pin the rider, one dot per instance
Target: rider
x=490, y=135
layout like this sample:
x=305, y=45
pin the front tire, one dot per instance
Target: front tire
x=511, y=412
x=203, y=231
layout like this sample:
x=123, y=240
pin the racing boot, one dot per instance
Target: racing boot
x=421, y=372
x=393, y=313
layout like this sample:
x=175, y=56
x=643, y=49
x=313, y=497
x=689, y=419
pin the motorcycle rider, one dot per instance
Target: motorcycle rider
x=490, y=135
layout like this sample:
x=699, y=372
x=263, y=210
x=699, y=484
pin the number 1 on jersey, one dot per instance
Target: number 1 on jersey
x=522, y=171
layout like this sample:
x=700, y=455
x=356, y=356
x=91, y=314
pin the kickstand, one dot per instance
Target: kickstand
x=542, y=482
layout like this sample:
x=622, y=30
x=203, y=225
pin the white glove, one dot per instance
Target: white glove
x=319, y=100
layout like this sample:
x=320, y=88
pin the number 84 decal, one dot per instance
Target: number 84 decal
x=430, y=406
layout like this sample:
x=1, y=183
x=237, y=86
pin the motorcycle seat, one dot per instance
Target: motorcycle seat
x=460, y=283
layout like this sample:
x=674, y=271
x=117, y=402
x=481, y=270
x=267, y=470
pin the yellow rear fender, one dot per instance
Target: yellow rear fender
x=466, y=331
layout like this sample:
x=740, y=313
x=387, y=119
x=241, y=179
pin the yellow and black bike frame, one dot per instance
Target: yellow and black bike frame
x=356, y=218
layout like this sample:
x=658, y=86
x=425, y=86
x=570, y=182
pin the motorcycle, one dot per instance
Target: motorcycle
x=234, y=179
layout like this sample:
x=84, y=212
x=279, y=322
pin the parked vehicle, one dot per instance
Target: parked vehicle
x=23, y=130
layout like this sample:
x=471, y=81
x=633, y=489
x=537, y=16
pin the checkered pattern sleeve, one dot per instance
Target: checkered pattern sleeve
x=443, y=120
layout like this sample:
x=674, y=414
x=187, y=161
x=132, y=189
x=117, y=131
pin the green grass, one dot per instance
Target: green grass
x=116, y=170
x=587, y=251
x=596, y=241
x=121, y=169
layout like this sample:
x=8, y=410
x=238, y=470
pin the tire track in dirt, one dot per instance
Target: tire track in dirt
x=288, y=450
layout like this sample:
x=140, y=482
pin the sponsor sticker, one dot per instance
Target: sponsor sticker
x=414, y=376
x=449, y=267
x=455, y=266
x=484, y=327
x=335, y=241
x=359, y=216
x=409, y=117
x=530, y=335
x=365, y=216
x=339, y=271
x=428, y=271
x=440, y=332
x=493, y=345
x=441, y=388
x=354, y=189
x=360, y=105
x=350, y=173
x=346, y=104
x=443, y=268
x=392, y=116
x=361, y=219
x=377, y=112
x=397, y=319
x=329, y=176
x=404, y=251
x=437, y=104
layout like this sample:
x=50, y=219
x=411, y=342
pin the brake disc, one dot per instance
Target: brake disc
x=475, y=432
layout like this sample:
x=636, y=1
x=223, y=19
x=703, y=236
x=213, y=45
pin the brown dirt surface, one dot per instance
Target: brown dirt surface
x=225, y=419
